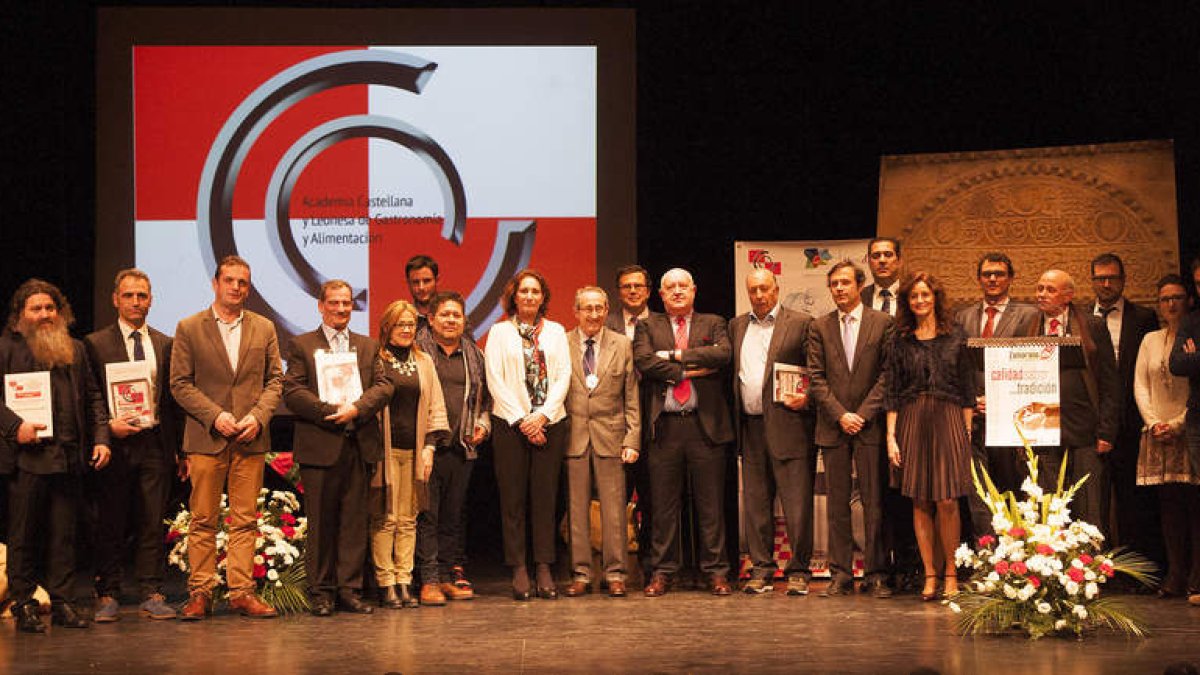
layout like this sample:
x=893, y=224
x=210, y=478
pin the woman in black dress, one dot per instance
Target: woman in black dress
x=929, y=401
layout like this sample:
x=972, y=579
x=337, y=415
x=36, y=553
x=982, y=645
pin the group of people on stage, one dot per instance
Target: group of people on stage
x=628, y=401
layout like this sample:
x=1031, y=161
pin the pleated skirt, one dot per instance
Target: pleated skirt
x=935, y=452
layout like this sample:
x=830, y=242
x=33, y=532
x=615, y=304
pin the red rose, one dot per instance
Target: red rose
x=282, y=463
x=1019, y=568
x=1075, y=574
x=1085, y=559
x=173, y=535
x=1045, y=549
x=1002, y=567
x=260, y=571
x=986, y=540
x=288, y=531
x=1106, y=570
x=1017, y=533
x=287, y=519
x=228, y=520
x=1034, y=581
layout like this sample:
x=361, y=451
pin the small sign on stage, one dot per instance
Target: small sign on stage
x=130, y=392
x=338, y=379
x=28, y=395
x=1022, y=389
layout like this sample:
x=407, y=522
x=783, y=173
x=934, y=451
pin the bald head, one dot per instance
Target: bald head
x=678, y=292
x=1054, y=291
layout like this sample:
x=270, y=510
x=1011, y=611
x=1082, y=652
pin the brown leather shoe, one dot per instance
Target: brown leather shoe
x=616, y=589
x=719, y=585
x=577, y=588
x=658, y=586
x=250, y=605
x=198, y=606
x=431, y=595
x=453, y=592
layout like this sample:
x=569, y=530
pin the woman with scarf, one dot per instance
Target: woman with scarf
x=414, y=424
x=528, y=374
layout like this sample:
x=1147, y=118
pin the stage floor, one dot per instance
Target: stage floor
x=684, y=631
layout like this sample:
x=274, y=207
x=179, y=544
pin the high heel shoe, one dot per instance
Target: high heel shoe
x=520, y=585
x=546, y=588
x=929, y=593
x=949, y=591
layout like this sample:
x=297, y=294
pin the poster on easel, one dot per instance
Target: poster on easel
x=1022, y=387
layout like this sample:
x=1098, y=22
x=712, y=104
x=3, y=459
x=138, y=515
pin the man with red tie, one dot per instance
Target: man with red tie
x=680, y=355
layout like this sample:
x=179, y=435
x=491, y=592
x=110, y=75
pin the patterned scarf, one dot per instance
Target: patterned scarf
x=536, y=379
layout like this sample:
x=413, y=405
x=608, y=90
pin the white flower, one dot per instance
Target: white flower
x=955, y=608
x=258, y=560
x=1091, y=590
x=993, y=576
x=1072, y=587
x=1043, y=607
x=1080, y=611
x=278, y=583
x=1027, y=591
x=1031, y=488
x=1010, y=592
x=1077, y=563
x=272, y=575
x=1060, y=624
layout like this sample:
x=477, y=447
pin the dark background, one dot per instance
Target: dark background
x=755, y=120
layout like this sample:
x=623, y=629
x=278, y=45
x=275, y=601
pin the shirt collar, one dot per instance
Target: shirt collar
x=640, y=317
x=127, y=330
x=857, y=313
x=1000, y=306
x=331, y=332
x=1118, y=307
x=770, y=318
x=232, y=324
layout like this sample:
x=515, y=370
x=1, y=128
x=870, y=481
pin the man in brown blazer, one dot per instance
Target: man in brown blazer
x=227, y=378
x=775, y=437
x=605, y=433
x=138, y=479
x=336, y=444
x=997, y=316
x=846, y=362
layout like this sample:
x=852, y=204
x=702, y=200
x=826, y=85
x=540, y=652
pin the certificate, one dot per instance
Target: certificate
x=130, y=392
x=28, y=395
x=790, y=379
x=338, y=379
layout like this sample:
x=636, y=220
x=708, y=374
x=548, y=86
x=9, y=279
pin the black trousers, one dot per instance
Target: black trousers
x=527, y=477
x=1089, y=502
x=41, y=545
x=131, y=495
x=1133, y=508
x=840, y=462
x=1002, y=464
x=335, y=500
x=441, y=527
x=681, y=451
x=763, y=478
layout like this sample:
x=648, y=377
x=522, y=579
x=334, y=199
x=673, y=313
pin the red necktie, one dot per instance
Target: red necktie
x=682, y=391
x=1054, y=324
x=990, y=326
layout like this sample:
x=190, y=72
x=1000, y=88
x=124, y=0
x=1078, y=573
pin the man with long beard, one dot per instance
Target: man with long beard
x=46, y=472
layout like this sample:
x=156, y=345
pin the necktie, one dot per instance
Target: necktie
x=1105, y=311
x=682, y=391
x=990, y=326
x=1054, y=326
x=886, y=307
x=848, y=339
x=339, y=342
x=589, y=357
x=139, y=352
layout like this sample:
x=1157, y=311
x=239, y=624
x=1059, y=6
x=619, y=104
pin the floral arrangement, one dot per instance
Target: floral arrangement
x=278, y=549
x=1042, y=572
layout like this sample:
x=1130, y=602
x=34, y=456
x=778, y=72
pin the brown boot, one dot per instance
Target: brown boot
x=250, y=605
x=198, y=606
x=431, y=595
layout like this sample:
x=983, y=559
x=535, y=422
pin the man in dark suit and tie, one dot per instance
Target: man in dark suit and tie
x=605, y=435
x=1088, y=395
x=138, y=480
x=226, y=375
x=633, y=285
x=846, y=362
x=883, y=256
x=680, y=355
x=996, y=316
x=336, y=443
x=1134, y=510
x=775, y=434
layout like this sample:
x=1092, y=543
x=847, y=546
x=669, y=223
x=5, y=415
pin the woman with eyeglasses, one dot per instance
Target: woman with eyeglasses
x=1163, y=457
x=528, y=374
x=414, y=424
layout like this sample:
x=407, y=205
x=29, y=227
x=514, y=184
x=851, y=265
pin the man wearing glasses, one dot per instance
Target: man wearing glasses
x=633, y=286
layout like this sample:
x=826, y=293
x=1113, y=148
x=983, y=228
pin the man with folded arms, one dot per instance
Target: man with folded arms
x=605, y=434
x=680, y=355
x=144, y=456
x=336, y=445
x=227, y=378
x=47, y=473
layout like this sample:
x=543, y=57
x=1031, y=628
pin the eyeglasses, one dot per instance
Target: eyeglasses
x=1173, y=298
x=993, y=274
x=632, y=287
x=1107, y=278
x=406, y=325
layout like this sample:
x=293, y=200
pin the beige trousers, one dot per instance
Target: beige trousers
x=394, y=534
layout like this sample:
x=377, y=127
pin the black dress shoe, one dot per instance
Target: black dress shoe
x=389, y=599
x=321, y=607
x=349, y=601
x=878, y=589
x=29, y=618
x=407, y=598
x=547, y=592
x=837, y=588
x=64, y=614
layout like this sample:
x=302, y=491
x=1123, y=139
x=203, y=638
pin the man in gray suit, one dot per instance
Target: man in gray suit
x=226, y=375
x=605, y=433
x=996, y=316
x=846, y=362
x=774, y=433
